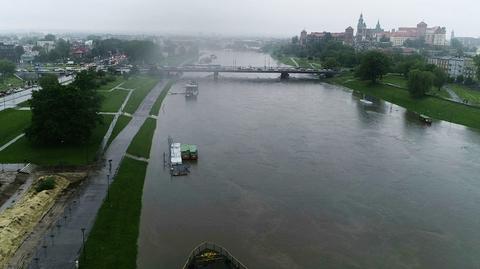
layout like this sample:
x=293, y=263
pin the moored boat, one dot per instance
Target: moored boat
x=425, y=119
x=212, y=256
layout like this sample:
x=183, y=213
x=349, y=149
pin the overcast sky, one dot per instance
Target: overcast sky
x=233, y=17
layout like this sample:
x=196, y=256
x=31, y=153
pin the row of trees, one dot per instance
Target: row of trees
x=7, y=67
x=421, y=77
x=326, y=49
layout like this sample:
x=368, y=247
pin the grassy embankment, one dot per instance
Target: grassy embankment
x=122, y=122
x=10, y=82
x=112, y=100
x=466, y=93
x=432, y=106
x=12, y=124
x=56, y=155
x=158, y=103
x=141, y=143
x=142, y=86
x=402, y=82
x=112, y=242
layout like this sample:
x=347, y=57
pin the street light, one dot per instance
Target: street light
x=110, y=166
x=83, y=243
x=108, y=187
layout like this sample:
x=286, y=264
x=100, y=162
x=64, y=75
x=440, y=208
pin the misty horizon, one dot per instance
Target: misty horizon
x=226, y=18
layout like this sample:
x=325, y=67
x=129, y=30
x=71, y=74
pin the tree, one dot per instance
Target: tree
x=460, y=79
x=19, y=51
x=419, y=82
x=63, y=114
x=7, y=67
x=374, y=65
x=295, y=40
x=440, y=77
x=49, y=37
x=331, y=63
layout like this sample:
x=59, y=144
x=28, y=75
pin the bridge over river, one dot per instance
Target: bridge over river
x=216, y=69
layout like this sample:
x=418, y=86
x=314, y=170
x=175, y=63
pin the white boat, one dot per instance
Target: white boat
x=366, y=102
x=175, y=154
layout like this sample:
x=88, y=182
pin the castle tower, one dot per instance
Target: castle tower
x=303, y=38
x=349, y=35
x=421, y=29
x=378, y=28
x=361, y=28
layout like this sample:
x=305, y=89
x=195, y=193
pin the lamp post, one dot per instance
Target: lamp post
x=110, y=166
x=83, y=244
x=108, y=187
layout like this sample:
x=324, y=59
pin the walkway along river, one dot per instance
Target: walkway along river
x=300, y=174
x=63, y=249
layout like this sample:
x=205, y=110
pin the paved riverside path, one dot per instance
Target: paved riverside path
x=63, y=248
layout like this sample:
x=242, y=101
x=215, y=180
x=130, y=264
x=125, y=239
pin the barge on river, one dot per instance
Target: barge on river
x=211, y=256
x=191, y=88
x=178, y=154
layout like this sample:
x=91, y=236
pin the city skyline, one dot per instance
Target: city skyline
x=268, y=18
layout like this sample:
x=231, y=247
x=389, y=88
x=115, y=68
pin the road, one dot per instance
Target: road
x=12, y=100
x=63, y=248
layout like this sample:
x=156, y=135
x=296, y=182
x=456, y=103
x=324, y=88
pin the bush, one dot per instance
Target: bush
x=45, y=184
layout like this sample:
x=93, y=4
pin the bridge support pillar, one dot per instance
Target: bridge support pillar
x=284, y=75
x=215, y=76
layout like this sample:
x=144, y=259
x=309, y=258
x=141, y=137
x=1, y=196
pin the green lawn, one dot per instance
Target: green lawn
x=122, y=122
x=398, y=80
x=158, y=103
x=112, y=242
x=142, y=86
x=142, y=141
x=118, y=80
x=13, y=123
x=402, y=82
x=113, y=100
x=67, y=155
x=10, y=82
x=464, y=92
x=432, y=106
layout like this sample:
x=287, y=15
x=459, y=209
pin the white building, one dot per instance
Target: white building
x=436, y=36
x=46, y=45
x=454, y=66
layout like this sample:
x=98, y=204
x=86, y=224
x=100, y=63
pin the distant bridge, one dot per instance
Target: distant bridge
x=216, y=69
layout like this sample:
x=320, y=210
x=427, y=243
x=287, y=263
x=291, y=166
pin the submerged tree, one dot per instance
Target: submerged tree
x=63, y=114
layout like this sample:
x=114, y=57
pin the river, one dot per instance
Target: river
x=300, y=174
